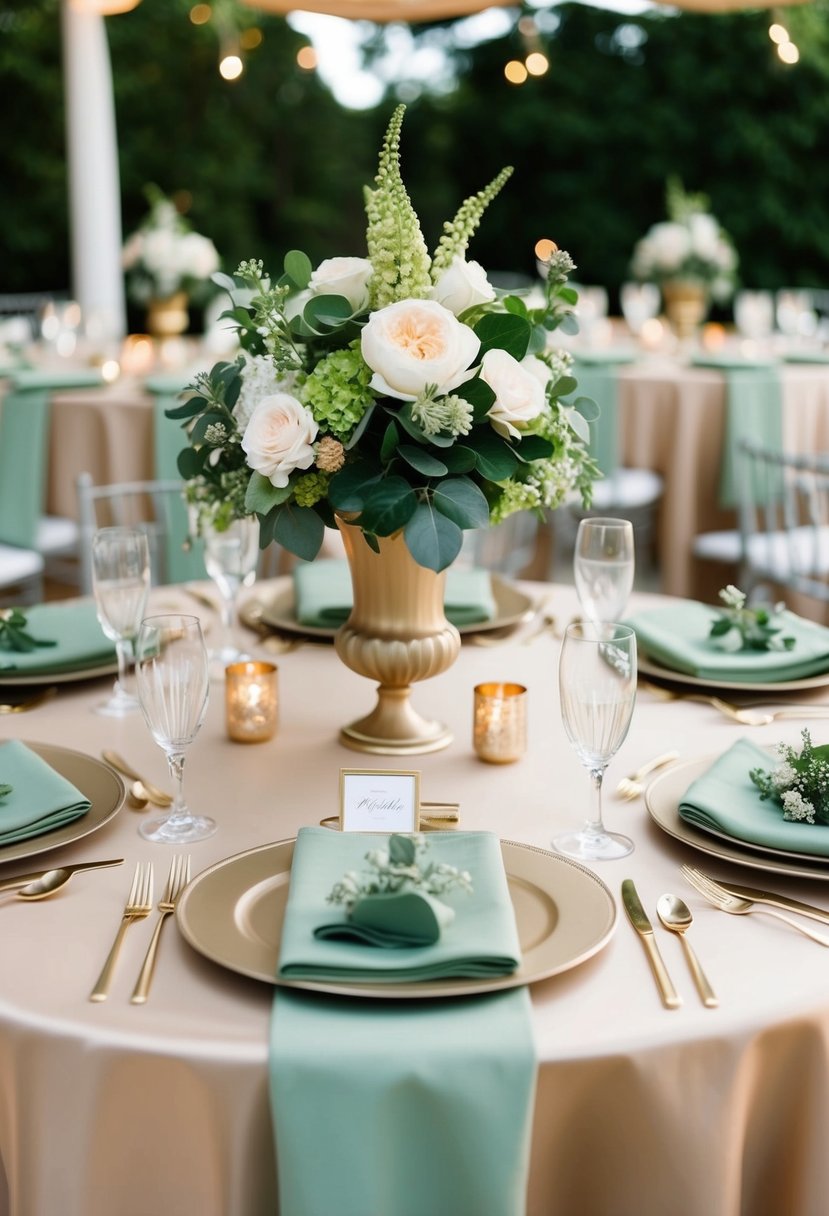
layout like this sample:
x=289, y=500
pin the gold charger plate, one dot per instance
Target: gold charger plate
x=232, y=914
x=274, y=605
x=16, y=679
x=96, y=780
x=662, y=798
x=649, y=667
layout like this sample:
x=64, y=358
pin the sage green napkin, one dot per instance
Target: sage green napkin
x=754, y=411
x=726, y=801
x=322, y=590
x=806, y=356
x=73, y=626
x=391, y=920
x=481, y=941
x=677, y=637
x=41, y=799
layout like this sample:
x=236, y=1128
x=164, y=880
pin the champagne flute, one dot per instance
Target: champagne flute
x=603, y=566
x=120, y=583
x=597, y=683
x=230, y=558
x=172, y=674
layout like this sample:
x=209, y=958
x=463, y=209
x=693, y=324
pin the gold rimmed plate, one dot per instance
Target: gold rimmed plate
x=232, y=914
x=662, y=799
x=95, y=780
x=17, y=679
x=651, y=668
x=274, y=605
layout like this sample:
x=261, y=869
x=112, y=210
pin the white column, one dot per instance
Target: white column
x=92, y=160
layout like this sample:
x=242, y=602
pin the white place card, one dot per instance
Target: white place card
x=379, y=800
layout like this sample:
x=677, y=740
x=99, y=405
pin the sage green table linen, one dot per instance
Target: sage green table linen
x=410, y=1107
x=323, y=594
x=40, y=800
x=597, y=374
x=677, y=637
x=724, y=800
x=80, y=641
x=481, y=941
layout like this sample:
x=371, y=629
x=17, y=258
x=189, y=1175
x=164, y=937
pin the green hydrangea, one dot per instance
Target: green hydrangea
x=310, y=489
x=337, y=392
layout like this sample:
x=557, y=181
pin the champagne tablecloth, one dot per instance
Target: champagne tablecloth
x=114, y=1108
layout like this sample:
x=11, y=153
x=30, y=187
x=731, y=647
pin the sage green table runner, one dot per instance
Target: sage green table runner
x=677, y=637
x=323, y=594
x=385, y=1107
x=597, y=374
x=40, y=800
x=80, y=641
x=725, y=800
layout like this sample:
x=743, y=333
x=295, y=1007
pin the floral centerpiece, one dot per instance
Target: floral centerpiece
x=690, y=248
x=164, y=257
x=398, y=390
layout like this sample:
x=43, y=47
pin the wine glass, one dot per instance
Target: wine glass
x=173, y=680
x=230, y=558
x=603, y=566
x=597, y=683
x=120, y=583
x=640, y=303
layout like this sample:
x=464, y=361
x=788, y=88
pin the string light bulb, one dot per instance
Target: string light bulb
x=788, y=52
x=778, y=33
x=536, y=63
x=515, y=72
x=231, y=67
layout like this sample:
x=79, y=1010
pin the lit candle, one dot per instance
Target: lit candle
x=251, y=701
x=499, y=729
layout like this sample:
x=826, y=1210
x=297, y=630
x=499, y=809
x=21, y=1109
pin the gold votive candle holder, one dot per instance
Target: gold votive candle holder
x=251, y=701
x=499, y=727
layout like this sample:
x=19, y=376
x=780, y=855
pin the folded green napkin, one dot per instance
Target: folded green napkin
x=728, y=361
x=807, y=356
x=32, y=379
x=604, y=354
x=481, y=941
x=677, y=637
x=73, y=626
x=40, y=800
x=322, y=590
x=726, y=801
x=392, y=921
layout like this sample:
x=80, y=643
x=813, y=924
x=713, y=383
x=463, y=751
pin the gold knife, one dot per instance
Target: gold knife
x=775, y=901
x=21, y=880
x=638, y=918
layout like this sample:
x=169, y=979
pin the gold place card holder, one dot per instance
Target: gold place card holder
x=251, y=701
x=499, y=727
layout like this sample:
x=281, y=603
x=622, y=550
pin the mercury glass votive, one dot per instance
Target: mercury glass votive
x=251, y=701
x=499, y=728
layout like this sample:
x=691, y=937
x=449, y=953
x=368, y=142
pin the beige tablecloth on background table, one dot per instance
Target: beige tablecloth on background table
x=113, y=1108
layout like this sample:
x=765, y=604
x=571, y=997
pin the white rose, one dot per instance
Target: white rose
x=670, y=245
x=197, y=256
x=538, y=368
x=413, y=343
x=705, y=236
x=278, y=438
x=343, y=277
x=463, y=285
x=519, y=393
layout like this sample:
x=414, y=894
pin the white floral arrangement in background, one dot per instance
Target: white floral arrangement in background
x=690, y=245
x=165, y=256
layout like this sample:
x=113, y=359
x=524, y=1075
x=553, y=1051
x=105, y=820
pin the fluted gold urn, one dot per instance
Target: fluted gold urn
x=397, y=633
x=168, y=317
x=686, y=305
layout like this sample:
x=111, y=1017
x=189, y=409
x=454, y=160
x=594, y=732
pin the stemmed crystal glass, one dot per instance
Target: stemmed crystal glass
x=597, y=683
x=230, y=558
x=640, y=303
x=120, y=583
x=172, y=674
x=603, y=566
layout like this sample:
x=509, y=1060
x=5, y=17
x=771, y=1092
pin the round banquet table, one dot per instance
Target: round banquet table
x=640, y=1111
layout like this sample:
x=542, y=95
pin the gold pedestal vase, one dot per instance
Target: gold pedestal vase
x=686, y=305
x=397, y=633
x=168, y=318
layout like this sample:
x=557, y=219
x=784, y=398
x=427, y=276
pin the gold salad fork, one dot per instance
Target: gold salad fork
x=737, y=713
x=631, y=787
x=177, y=880
x=139, y=904
x=727, y=902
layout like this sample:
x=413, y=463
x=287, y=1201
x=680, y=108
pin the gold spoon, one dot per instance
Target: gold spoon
x=154, y=794
x=20, y=707
x=48, y=883
x=675, y=915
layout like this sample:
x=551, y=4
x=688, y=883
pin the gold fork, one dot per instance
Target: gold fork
x=631, y=787
x=177, y=880
x=727, y=902
x=746, y=717
x=139, y=904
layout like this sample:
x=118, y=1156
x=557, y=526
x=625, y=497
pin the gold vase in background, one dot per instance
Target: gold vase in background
x=686, y=305
x=168, y=318
x=397, y=633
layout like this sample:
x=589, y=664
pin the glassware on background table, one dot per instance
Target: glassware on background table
x=230, y=558
x=796, y=315
x=120, y=583
x=603, y=567
x=754, y=314
x=172, y=673
x=597, y=684
x=591, y=311
x=640, y=303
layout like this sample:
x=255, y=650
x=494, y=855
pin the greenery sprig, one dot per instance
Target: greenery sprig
x=748, y=628
x=13, y=632
x=800, y=784
x=397, y=869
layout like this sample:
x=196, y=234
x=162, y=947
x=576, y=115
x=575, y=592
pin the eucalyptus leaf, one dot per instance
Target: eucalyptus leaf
x=298, y=529
x=569, y=324
x=190, y=461
x=564, y=386
x=401, y=849
x=188, y=409
x=261, y=496
x=388, y=506
x=389, y=446
x=504, y=331
x=347, y=489
x=225, y=281
x=493, y=456
x=298, y=268
x=459, y=459
x=327, y=312
x=533, y=447
x=357, y=433
x=588, y=408
x=433, y=539
x=462, y=501
x=421, y=461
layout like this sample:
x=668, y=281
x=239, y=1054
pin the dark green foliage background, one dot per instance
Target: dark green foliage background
x=273, y=162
